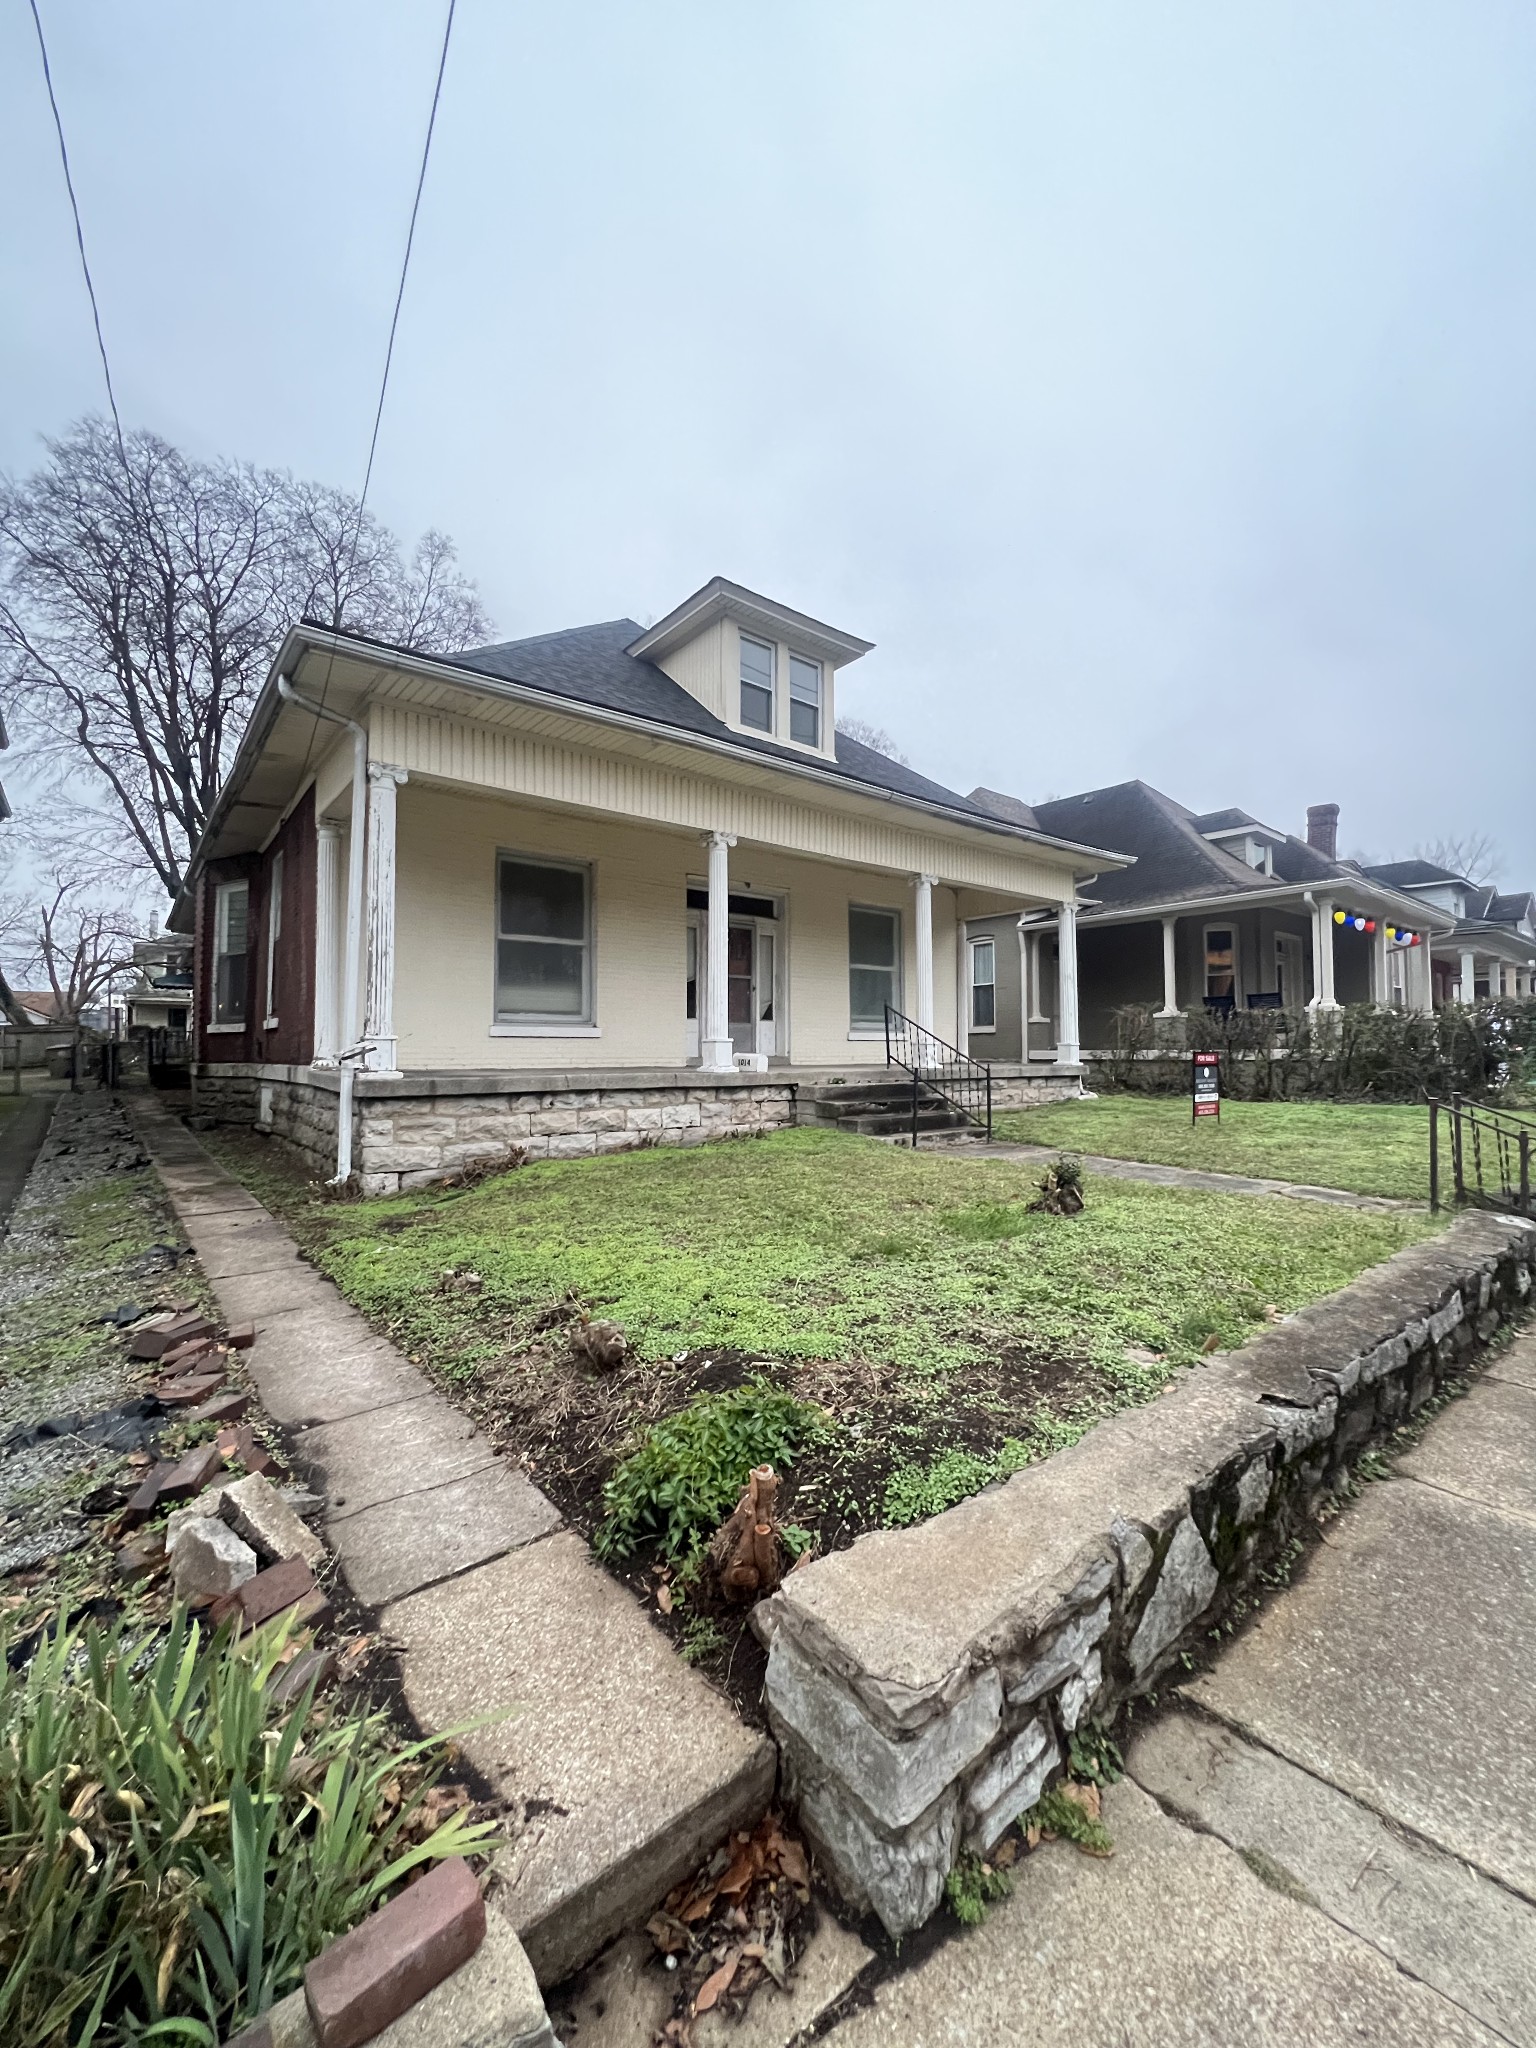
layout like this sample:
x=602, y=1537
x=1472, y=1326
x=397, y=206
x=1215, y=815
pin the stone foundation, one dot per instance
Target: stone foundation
x=1028, y=1091
x=923, y=1685
x=405, y=1137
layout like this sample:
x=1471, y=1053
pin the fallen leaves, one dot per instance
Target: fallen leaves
x=734, y=1923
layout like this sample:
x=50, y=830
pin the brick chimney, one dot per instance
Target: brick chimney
x=1323, y=829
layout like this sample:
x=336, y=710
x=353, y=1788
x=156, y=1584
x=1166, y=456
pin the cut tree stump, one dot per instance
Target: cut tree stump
x=745, y=1557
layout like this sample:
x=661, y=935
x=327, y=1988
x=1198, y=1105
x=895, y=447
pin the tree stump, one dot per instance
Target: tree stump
x=745, y=1558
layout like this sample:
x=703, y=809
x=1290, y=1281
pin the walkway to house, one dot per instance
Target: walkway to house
x=1174, y=1176
x=621, y=1766
x=22, y=1131
x=1330, y=1837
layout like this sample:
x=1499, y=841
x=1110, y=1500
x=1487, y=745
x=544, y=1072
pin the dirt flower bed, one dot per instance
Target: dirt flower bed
x=943, y=1331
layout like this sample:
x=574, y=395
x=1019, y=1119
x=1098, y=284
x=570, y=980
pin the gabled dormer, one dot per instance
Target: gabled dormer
x=764, y=670
x=1243, y=837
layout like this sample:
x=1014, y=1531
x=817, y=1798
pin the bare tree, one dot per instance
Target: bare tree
x=71, y=941
x=872, y=736
x=1472, y=855
x=140, y=606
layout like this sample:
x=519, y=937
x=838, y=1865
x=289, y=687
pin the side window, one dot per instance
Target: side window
x=874, y=961
x=274, y=932
x=231, y=962
x=805, y=701
x=983, y=984
x=543, y=942
x=756, y=685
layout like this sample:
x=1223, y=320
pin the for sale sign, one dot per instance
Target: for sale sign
x=1207, y=1097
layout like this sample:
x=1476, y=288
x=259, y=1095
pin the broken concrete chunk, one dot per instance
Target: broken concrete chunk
x=256, y=1511
x=210, y=1560
x=198, y=1510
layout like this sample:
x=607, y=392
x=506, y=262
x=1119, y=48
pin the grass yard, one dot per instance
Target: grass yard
x=1371, y=1148
x=946, y=1334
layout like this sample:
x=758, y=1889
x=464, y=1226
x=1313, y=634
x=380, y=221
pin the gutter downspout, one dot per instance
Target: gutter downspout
x=351, y=1023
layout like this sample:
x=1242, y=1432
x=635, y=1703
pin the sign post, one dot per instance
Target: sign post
x=1206, y=1099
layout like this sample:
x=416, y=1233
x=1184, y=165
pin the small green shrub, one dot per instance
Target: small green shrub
x=1093, y=1759
x=702, y=1637
x=1056, y=1814
x=174, y=1847
x=972, y=1887
x=689, y=1471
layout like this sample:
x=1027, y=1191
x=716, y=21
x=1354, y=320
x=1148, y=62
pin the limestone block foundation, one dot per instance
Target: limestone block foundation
x=924, y=1684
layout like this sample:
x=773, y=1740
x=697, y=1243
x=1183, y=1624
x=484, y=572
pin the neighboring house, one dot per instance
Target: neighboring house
x=617, y=885
x=1219, y=909
x=161, y=999
x=1492, y=950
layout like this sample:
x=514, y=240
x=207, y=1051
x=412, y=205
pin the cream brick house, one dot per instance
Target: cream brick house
x=603, y=887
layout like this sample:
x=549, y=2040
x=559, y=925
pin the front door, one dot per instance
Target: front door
x=751, y=983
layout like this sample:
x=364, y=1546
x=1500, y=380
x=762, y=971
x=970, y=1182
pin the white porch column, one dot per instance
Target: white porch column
x=1322, y=956
x=1381, y=978
x=1468, y=977
x=1026, y=985
x=327, y=1036
x=1495, y=979
x=716, y=1053
x=962, y=981
x=924, y=918
x=1170, y=969
x=381, y=1052
x=1068, y=1051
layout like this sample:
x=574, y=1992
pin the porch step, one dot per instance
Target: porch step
x=878, y=1108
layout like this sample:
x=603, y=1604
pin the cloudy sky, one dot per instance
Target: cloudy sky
x=1153, y=385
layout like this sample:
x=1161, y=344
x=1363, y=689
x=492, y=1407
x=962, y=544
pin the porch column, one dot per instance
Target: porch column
x=1381, y=979
x=1068, y=1050
x=1170, y=969
x=1026, y=985
x=1496, y=979
x=962, y=980
x=380, y=1048
x=716, y=1053
x=1322, y=955
x=924, y=887
x=327, y=1036
x=1469, y=977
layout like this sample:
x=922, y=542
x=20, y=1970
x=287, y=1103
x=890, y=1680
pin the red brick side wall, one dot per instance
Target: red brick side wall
x=291, y=1040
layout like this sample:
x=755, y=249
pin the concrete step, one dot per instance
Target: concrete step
x=891, y=1123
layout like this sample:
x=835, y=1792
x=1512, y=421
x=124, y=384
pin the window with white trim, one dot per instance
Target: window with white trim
x=231, y=960
x=805, y=701
x=983, y=984
x=756, y=685
x=543, y=941
x=874, y=966
x=274, y=933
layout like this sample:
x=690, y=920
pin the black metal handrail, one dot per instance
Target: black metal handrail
x=965, y=1084
x=1490, y=1153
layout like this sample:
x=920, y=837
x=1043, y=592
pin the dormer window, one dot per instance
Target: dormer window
x=757, y=685
x=804, y=700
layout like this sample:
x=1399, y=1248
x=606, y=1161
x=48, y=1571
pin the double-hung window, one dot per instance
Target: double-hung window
x=983, y=984
x=231, y=963
x=805, y=701
x=874, y=966
x=756, y=685
x=543, y=941
x=274, y=933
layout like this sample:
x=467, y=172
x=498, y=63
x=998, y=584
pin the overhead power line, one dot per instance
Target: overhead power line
x=74, y=207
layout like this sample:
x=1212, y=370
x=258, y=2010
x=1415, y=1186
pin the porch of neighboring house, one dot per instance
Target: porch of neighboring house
x=542, y=975
x=1493, y=966
x=1252, y=957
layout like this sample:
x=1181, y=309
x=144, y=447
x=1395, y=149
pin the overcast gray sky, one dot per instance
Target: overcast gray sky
x=1153, y=385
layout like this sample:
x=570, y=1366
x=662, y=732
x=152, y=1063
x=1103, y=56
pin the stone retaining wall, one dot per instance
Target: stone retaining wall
x=923, y=1684
x=409, y=1141
x=1028, y=1091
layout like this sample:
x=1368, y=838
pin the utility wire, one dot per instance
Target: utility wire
x=389, y=357
x=74, y=207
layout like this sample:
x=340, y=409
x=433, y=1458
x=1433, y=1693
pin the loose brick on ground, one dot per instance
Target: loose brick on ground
x=375, y=1973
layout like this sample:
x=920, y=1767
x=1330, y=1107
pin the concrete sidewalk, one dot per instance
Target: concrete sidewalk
x=621, y=1766
x=1183, y=1176
x=1331, y=1837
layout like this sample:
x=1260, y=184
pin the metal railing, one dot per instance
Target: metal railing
x=965, y=1084
x=1489, y=1153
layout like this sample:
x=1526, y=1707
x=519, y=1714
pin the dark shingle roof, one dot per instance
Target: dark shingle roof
x=1226, y=821
x=589, y=664
x=1173, y=859
x=1510, y=907
x=1411, y=874
x=1013, y=808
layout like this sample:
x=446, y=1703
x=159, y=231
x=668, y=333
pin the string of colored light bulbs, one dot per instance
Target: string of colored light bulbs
x=1358, y=921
